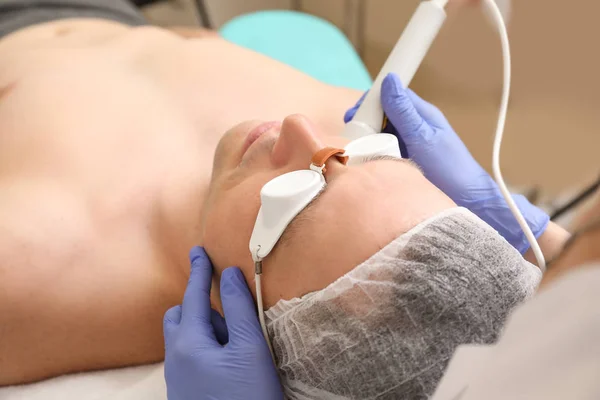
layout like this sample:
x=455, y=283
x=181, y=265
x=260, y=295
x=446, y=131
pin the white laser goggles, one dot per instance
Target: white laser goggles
x=285, y=196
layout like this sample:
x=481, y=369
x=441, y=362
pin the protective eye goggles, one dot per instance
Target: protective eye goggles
x=285, y=196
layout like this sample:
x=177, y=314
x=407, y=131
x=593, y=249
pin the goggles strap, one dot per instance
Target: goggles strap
x=322, y=156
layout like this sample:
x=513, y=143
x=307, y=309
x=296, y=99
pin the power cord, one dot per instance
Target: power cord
x=496, y=16
x=585, y=194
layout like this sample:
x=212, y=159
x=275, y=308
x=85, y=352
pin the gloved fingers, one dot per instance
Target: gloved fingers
x=239, y=308
x=220, y=326
x=391, y=129
x=401, y=112
x=535, y=217
x=196, y=308
x=171, y=321
x=351, y=112
x=427, y=110
x=173, y=315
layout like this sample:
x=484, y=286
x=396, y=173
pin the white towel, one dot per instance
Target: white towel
x=136, y=383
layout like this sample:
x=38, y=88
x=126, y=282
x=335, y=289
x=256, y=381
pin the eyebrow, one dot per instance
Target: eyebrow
x=405, y=161
x=300, y=219
x=305, y=215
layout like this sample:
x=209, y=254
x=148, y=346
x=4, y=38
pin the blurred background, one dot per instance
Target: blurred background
x=551, y=141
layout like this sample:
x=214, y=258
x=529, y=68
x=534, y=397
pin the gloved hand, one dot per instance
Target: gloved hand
x=197, y=366
x=429, y=140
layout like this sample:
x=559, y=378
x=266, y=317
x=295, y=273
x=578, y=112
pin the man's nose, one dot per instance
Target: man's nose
x=298, y=141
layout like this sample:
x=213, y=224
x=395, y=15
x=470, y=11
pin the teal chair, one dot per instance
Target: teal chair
x=305, y=42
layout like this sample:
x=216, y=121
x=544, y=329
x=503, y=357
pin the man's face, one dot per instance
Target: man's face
x=362, y=209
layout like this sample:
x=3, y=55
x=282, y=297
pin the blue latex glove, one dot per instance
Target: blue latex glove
x=429, y=140
x=197, y=366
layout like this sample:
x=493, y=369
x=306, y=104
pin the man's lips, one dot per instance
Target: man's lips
x=257, y=132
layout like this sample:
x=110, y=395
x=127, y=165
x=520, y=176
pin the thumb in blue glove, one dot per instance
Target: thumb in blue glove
x=431, y=142
x=197, y=365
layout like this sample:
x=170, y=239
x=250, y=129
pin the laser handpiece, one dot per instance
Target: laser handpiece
x=404, y=60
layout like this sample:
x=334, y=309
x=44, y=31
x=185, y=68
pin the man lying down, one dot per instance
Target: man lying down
x=375, y=284
x=108, y=135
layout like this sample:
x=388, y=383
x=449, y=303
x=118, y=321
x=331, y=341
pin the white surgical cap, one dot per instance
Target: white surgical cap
x=387, y=329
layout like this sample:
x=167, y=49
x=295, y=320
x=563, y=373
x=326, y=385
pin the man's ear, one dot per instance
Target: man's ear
x=193, y=33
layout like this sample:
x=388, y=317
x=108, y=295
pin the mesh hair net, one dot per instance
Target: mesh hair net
x=387, y=329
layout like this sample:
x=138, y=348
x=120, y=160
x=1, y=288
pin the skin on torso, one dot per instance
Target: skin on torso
x=107, y=136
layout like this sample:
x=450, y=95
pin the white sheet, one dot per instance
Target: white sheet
x=138, y=383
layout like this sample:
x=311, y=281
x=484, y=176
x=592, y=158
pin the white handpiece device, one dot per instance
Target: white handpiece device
x=404, y=60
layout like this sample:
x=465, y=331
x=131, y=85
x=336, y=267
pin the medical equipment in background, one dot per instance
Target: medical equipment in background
x=576, y=201
x=405, y=59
